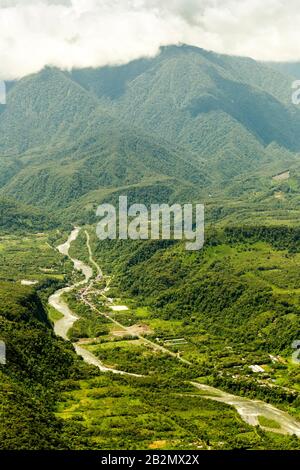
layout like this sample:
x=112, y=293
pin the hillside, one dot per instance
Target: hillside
x=291, y=68
x=223, y=110
x=251, y=271
x=28, y=383
x=234, y=304
x=117, y=158
x=18, y=217
x=192, y=118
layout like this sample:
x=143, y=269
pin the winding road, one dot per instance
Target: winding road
x=63, y=326
x=249, y=410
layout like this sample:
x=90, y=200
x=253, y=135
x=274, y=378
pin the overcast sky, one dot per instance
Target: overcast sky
x=81, y=33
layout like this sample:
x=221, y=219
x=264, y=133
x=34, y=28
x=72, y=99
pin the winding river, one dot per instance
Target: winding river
x=63, y=326
x=249, y=409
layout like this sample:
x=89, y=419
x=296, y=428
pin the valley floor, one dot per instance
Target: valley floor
x=253, y=412
x=150, y=388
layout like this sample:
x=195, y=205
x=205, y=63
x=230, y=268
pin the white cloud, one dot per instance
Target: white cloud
x=81, y=33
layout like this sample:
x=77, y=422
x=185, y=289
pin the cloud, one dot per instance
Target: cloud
x=83, y=33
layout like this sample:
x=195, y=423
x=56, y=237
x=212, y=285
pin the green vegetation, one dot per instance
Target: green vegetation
x=36, y=362
x=18, y=217
x=185, y=126
x=233, y=305
x=268, y=423
x=153, y=414
x=44, y=383
x=32, y=257
x=79, y=408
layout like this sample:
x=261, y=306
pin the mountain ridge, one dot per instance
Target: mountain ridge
x=189, y=114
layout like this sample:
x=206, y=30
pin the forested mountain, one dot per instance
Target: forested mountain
x=15, y=216
x=222, y=109
x=190, y=117
x=186, y=126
